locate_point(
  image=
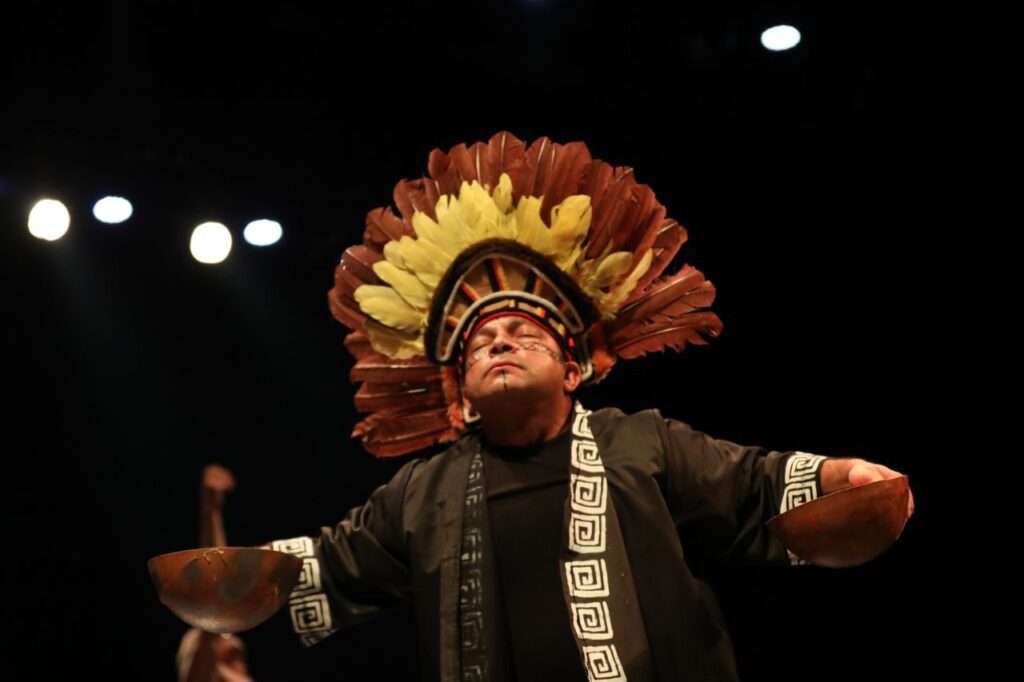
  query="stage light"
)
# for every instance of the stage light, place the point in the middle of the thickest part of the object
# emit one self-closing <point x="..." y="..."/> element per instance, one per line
<point x="49" y="219"/>
<point x="112" y="210"/>
<point x="778" y="38"/>
<point x="262" y="232"/>
<point x="211" y="243"/>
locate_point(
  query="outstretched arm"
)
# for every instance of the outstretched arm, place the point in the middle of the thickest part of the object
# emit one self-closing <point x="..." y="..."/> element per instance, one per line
<point x="721" y="493"/>
<point x="356" y="570"/>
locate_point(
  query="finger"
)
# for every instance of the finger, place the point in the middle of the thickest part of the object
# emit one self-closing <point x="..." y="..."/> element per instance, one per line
<point x="889" y="473"/>
<point x="861" y="474"/>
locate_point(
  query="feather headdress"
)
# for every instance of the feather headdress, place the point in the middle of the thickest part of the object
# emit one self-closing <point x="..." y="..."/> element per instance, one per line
<point x="543" y="228"/>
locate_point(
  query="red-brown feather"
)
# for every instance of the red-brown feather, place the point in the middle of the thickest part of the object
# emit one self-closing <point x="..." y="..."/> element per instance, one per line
<point x="345" y="310"/>
<point x="669" y="239"/>
<point x="359" y="261"/>
<point x="380" y="369"/>
<point x="667" y="314"/>
<point x="673" y="334"/>
<point x="672" y="296"/>
<point x="610" y="210"/>
<point x="568" y="164"/>
<point x="358" y="344"/>
<point x="373" y="397"/>
<point x="392" y="433"/>
<point x="383" y="226"/>
<point x="411" y="196"/>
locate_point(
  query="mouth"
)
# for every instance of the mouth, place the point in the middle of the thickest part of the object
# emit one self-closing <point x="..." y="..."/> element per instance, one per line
<point x="500" y="365"/>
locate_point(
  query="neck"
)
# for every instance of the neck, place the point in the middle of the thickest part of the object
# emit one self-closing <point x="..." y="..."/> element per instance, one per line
<point x="517" y="425"/>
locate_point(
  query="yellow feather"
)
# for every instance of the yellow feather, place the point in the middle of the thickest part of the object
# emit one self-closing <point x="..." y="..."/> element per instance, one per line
<point x="503" y="193"/>
<point x="453" y="234"/>
<point x="532" y="230"/>
<point x="478" y="213"/>
<point x="570" y="221"/>
<point x="440" y="258"/>
<point x="392" y="343"/>
<point x="424" y="226"/>
<point x="387" y="307"/>
<point x="608" y="305"/>
<point x="408" y="286"/>
<point x="571" y="217"/>
<point x="472" y="198"/>
<point x="392" y="254"/>
<point x="509" y="226"/>
<point x="610" y="269"/>
<point x="422" y="258"/>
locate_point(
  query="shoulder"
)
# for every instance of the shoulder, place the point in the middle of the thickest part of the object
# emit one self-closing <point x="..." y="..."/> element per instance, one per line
<point x="613" y="419"/>
<point x="647" y="429"/>
<point x="429" y="477"/>
<point x="629" y="438"/>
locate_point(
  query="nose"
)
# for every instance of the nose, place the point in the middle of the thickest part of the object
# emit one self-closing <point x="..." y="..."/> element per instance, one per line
<point x="501" y="344"/>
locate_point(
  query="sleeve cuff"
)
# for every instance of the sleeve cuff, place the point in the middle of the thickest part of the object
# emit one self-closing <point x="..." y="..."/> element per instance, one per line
<point x="802" y="484"/>
<point x="308" y="605"/>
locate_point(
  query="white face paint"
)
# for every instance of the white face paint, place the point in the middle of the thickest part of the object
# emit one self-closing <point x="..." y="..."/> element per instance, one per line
<point x="511" y="356"/>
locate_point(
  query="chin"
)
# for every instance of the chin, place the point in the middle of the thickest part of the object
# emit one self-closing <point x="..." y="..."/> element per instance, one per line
<point x="499" y="392"/>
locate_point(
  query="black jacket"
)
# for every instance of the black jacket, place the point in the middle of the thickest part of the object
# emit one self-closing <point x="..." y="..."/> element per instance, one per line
<point x="674" y="489"/>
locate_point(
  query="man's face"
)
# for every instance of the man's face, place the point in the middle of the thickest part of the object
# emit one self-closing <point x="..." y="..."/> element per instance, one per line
<point x="512" y="358"/>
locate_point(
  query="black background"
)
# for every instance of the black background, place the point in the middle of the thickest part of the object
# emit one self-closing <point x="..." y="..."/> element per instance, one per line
<point x="807" y="181"/>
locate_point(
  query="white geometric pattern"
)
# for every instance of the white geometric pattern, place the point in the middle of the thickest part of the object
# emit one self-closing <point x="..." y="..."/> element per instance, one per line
<point x="801" y="480"/>
<point x="801" y="487"/>
<point x="581" y="424"/>
<point x="591" y="620"/>
<point x="310" y="614"/>
<point x="587" y="579"/>
<point x="309" y="578"/>
<point x="603" y="663"/>
<point x="802" y="466"/>
<point x="586" y="457"/>
<point x="314" y="637"/>
<point x="298" y="546"/>
<point x="308" y="606"/>
<point x="798" y="493"/>
<point x="587" y="533"/>
<point x="589" y="493"/>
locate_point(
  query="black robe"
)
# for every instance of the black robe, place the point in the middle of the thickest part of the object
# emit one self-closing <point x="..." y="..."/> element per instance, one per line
<point x="673" y="489"/>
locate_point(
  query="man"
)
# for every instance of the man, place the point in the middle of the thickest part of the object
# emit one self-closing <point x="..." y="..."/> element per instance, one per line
<point x="548" y="541"/>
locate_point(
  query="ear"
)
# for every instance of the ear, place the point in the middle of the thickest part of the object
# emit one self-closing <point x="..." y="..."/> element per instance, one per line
<point x="572" y="377"/>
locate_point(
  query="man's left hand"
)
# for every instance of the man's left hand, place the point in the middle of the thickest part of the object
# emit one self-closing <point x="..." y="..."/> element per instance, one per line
<point x="839" y="474"/>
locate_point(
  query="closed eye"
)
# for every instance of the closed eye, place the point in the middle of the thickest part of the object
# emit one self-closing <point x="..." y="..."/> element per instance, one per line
<point x="481" y="342"/>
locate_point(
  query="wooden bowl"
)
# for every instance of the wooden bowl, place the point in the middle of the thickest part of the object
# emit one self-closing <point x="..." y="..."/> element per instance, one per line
<point x="225" y="589"/>
<point x="846" y="528"/>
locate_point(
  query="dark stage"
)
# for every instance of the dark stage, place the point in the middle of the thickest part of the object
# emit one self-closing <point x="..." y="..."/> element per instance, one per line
<point x="807" y="181"/>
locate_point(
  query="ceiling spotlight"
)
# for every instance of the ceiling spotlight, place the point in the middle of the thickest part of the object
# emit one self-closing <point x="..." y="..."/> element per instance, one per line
<point x="112" y="210"/>
<point x="778" y="38"/>
<point x="211" y="243"/>
<point x="262" y="232"/>
<point x="49" y="220"/>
